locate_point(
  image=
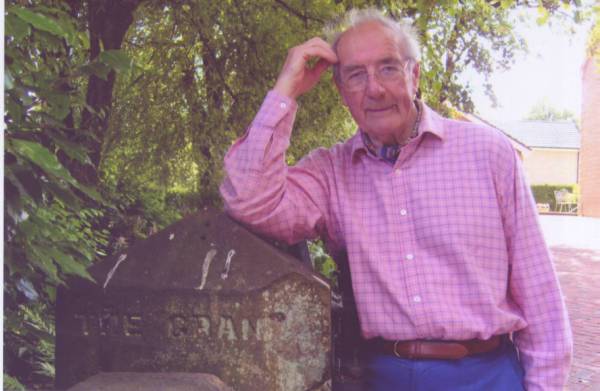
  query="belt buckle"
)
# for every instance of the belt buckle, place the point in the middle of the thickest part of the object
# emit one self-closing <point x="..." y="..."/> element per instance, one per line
<point x="395" y="349"/>
<point x="414" y="351"/>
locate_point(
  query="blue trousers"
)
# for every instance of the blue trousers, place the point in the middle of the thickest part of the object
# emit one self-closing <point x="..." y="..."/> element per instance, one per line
<point x="499" y="370"/>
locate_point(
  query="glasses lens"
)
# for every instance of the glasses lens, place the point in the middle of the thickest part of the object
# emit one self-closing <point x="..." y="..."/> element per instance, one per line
<point x="354" y="81"/>
<point x="391" y="72"/>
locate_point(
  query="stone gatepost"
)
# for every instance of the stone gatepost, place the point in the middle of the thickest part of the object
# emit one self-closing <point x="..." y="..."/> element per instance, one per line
<point x="202" y="296"/>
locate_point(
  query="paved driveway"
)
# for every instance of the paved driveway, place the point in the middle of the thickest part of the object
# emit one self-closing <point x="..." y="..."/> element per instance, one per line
<point x="572" y="231"/>
<point x="575" y="244"/>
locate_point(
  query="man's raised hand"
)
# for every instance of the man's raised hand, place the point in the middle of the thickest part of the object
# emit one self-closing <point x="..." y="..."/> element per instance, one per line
<point x="296" y="77"/>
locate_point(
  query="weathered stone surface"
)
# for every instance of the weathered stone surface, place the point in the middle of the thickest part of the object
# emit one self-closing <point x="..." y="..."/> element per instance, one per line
<point x="203" y="295"/>
<point x="135" y="381"/>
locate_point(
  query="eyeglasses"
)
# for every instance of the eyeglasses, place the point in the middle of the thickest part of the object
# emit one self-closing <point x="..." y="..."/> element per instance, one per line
<point x="357" y="78"/>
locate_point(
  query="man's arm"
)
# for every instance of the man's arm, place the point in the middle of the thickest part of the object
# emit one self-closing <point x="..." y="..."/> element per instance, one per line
<point x="545" y="345"/>
<point x="289" y="203"/>
<point x="260" y="190"/>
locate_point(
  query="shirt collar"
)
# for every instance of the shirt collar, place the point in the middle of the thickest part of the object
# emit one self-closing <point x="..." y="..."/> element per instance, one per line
<point x="431" y="122"/>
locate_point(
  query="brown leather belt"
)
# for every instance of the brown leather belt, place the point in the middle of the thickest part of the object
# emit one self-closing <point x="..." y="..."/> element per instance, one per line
<point x="441" y="350"/>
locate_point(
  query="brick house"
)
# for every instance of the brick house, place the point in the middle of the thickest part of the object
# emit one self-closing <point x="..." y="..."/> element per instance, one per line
<point x="590" y="139"/>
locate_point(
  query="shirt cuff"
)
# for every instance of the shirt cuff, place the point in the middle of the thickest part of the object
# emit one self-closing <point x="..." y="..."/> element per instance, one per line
<point x="277" y="111"/>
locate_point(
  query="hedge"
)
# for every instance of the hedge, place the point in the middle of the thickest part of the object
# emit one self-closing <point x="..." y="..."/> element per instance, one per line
<point x="544" y="194"/>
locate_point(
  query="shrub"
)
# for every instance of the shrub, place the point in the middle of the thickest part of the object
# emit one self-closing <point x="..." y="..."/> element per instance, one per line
<point x="544" y="194"/>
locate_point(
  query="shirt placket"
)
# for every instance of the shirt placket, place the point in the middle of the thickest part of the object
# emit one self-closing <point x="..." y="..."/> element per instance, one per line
<point x="408" y="257"/>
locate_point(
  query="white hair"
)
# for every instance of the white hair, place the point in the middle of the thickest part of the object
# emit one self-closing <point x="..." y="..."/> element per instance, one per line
<point x="403" y="29"/>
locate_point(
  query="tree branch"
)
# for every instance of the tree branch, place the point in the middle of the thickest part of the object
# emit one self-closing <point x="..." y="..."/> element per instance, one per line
<point x="215" y="61"/>
<point x="297" y="13"/>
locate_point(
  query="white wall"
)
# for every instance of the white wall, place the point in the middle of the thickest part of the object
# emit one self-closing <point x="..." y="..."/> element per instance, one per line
<point x="551" y="166"/>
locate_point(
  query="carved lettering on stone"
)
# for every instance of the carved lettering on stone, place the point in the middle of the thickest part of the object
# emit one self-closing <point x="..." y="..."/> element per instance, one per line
<point x="226" y="329"/>
<point x="108" y="322"/>
<point x="177" y="326"/>
<point x="132" y="325"/>
<point x="202" y="325"/>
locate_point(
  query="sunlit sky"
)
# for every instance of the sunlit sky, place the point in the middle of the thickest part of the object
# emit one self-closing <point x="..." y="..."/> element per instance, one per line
<point x="550" y="72"/>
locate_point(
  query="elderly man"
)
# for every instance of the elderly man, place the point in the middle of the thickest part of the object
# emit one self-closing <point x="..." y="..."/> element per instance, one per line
<point x="447" y="259"/>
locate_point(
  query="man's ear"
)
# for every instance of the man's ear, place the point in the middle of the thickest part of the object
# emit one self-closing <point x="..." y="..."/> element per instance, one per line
<point x="416" y="74"/>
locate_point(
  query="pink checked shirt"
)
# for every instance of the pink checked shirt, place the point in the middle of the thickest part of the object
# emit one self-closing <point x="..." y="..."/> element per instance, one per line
<point x="444" y="244"/>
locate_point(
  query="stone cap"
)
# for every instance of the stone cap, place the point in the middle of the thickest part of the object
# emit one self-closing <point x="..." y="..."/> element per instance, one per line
<point x="205" y="251"/>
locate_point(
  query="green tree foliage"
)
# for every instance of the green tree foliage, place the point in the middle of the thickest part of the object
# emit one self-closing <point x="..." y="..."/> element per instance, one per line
<point x="203" y="70"/>
<point x="458" y="36"/>
<point x="543" y="111"/>
<point x="593" y="44"/>
<point x="50" y="217"/>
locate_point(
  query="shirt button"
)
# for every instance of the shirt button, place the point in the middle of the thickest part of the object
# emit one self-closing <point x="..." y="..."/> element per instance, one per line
<point x="403" y="212"/>
<point x="283" y="105"/>
<point x="417" y="299"/>
<point x="410" y="257"/>
<point x="397" y="171"/>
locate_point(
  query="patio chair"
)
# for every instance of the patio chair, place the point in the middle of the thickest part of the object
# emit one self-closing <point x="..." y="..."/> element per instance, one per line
<point x="566" y="202"/>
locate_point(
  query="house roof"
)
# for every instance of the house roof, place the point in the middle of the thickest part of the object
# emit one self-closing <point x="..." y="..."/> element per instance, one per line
<point x="518" y="144"/>
<point x="543" y="134"/>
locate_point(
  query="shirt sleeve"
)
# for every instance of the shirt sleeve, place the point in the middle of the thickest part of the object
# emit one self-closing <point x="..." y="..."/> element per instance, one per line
<point x="545" y="344"/>
<point x="261" y="191"/>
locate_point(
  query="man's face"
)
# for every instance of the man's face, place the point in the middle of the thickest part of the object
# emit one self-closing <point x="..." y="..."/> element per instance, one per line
<point x="383" y="109"/>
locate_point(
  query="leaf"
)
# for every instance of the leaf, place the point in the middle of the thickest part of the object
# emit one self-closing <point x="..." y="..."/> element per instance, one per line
<point x="45" y="369"/>
<point x="12" y="384"/>
<point x="50" y="42"/>
<point x="13" y="202"/>
<point x="65" y="194"/>
<point x="9" y="81"/>
<point x="73" y="150"/>
<point x="39" y="257"/>
<point x="16" y="27"/>
<point x="14" y="110"/>
<point x="96" y="68"/>
<point x="92" y="193"/>
<point x="70" y="29"/>
<point x="68" y="264"/>
<point x="84" y="40"/>
<point x="47" y="161"/>
<point x="59" y="105"/>
<point x="33" y="328"/>
<point x="50" y="292"/>
<point x="116" y="59"/>
<point x="544" y="15"/>
<point x="30" y="184"/>
<point x="40" y="21"/>
<point x="43" y="158"/>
